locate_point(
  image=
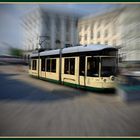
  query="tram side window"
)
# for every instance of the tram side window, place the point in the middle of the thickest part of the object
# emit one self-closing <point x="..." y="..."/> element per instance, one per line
<point x="72" y="66"/>
<point x="93" y="66"/>
<point x="53" y="65"/>
<point x="82" y="66"/>
<point x="48" y="65"/>
<point x="66" y="66"/>
<point x="43" y="64"/>
<point x="69" y="66"/>
<point x="34" y="65"/>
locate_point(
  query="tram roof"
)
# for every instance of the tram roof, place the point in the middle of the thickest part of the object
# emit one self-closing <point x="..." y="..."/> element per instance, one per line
<point x="87" y="48"/>
<point x="75" y="49"/>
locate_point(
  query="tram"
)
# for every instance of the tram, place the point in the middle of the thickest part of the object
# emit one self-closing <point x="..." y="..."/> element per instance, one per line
<point x="92" y="67"/>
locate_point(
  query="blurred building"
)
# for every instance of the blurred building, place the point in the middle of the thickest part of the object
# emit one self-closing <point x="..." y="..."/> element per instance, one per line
<point x="48" y="29"/>
<point x="130" y="33"/>
<point x="51" y="29"/>
<point x="118" y="28"/>
<point x="101" y="29"/>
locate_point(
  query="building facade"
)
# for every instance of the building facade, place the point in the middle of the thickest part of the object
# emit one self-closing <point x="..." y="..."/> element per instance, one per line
<point x="52" y="30"/>
<point x="102" y="29"/>
<point x="49" y="30"/>
<point x="118" y="28"/>
<point x="130" y="33"/>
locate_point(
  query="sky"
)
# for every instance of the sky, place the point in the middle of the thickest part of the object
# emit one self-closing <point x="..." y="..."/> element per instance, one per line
<point x="11" y="14"/>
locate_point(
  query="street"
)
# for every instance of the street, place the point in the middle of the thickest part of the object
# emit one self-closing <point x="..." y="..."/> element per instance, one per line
<point x="32" y="107"/>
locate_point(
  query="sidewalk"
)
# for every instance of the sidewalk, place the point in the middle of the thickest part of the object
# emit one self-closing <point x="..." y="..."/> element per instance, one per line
<point x="130" y="89"/>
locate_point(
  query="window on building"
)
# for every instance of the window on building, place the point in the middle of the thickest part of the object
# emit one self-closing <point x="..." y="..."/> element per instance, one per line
<point x="80" y="38"/>
<point x="67" y="25"/>
<point x="114" y="31"/>
<point x="69" y="66"/>
<point x="33" y="47"/>
<point x="86" y="27"/>
<point x="67" y="38"/>
<point x="34" y="65"/>
<point x="92" y="26"/>
<point x="85" y="36"/>
<point x="51" y="65"/>
<point x="106" y="42"/>
<point x="93" y="66"/>
<point x="106" y="22"/>
<point x="114" y="43"/>
<point x="99" y="24"/>
<point x="106" y="33"/>
<point x="98" y="34"/>
<point x="82" y="66"/>
<point x="92" y="35"/>
<point x="57" y="23"/>
<point x="43" y="64"/>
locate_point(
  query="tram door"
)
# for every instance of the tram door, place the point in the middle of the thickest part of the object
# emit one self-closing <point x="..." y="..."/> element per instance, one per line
<point x="93" y="71"/>
<point x="89" y="71"/>
<point x="82" y="71"/>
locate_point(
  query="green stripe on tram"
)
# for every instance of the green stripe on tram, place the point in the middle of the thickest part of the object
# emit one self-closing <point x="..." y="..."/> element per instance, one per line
<point x="70" y="84"/>
<point x="89" y="88"/>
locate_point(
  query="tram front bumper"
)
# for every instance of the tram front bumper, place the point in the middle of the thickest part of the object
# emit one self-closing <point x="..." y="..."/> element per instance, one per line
<point x="109" y="82"/>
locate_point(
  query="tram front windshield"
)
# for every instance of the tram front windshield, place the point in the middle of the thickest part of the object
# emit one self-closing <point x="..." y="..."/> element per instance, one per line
<point x="108" y="66"/>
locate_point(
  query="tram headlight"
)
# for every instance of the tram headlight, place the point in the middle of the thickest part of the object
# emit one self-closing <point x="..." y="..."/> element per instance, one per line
<point x="112" y="78"/>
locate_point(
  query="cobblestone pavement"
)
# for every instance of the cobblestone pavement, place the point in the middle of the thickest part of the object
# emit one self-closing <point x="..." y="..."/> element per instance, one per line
<point x="31" y="107"/>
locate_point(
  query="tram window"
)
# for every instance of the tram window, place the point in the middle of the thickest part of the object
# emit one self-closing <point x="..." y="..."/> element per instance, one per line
<point x="72" y="66"/>
<point x="48" y="65"/>
<point x="29" y="64"/>
<point x="82" y="66"/>
<point x="69" y="66"/>
<point x="93" y="66"/>
<point x="66" y="66"/>
<point x="34" y="65"/>
<point x="43" y="64"/>
<point x="53" y="65"/>
<point x="108" y="67"/>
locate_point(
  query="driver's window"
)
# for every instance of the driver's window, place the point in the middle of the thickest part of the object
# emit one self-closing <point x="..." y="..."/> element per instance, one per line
<point x="93" y="66"/>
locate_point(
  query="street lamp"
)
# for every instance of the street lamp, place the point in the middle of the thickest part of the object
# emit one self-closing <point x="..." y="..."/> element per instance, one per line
<point x="41" y="41"/>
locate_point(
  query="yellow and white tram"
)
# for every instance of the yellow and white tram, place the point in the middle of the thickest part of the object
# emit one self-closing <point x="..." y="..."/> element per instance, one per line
<point x="92" y="67"/>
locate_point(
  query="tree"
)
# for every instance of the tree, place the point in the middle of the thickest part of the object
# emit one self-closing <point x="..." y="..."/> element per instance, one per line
<point x="16" y="52"/>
